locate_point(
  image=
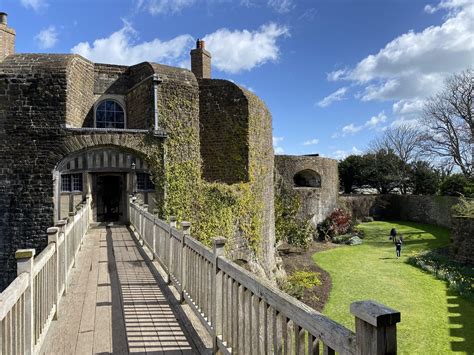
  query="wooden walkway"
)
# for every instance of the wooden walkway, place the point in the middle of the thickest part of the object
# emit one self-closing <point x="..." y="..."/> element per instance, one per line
<point x="115" y="304"/>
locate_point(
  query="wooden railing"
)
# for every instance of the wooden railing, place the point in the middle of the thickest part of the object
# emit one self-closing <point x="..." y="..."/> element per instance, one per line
<point x="31" y="301"/>
<point x="247" y="315"/>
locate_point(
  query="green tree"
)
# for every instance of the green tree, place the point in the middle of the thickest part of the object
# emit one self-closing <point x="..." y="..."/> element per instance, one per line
<point x="383" y="170"/>
<point x="424" y="179"/>
<point x="350" y="172"/>
<point x="456" y="185"/>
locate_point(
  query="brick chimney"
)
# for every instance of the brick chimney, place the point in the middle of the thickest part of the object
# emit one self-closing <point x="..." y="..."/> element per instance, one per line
<point x="7" y="38"/>
<point x="201" y="61"/>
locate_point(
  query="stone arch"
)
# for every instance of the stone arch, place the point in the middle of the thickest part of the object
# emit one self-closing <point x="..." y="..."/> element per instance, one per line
<point x="307" y="178"/>
<point x="125" y="159"/>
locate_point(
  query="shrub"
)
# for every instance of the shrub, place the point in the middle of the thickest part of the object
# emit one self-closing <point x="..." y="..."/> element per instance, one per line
<point x="300" y="281"/>
<point x="460" y="278"/>
<point x="465" y="208"/>
<point x="337" y="223"/>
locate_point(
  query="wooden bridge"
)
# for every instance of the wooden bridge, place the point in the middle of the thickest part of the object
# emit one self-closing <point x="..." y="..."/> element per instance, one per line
<point x="153" y="289"/>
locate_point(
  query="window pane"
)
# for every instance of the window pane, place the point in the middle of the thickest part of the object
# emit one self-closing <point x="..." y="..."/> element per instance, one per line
<point x="119" y="117"/>
<point x="110" y="114"/>
<point x="110" y="105"/>
<point x="100" y="116"/>
<point x="65" y="183"/>
<point x="144" y="182"/>
<point x="77" y="182"/>
<point x="140" y="181"/>
<point x="101" y="106"/>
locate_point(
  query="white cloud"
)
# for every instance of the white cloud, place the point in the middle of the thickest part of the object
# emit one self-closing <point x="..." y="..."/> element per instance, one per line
<point x="311" y="142"/>
<point x="159" y="7"/>
<point x="276" y="145"/>
<point x="408" y="107"/>
<point x="34" y="4"/>
<point x="47" y="37"/>
<point x="240" y="50"/>
<point x="338" y="95"/>
<point x="121" y="48"/>
<point x="249" y="49"/>
<point x="350" y="129"/>
<point x="413" y="65"/>
<point x="281" y="6"/>
<point x="372" y="123"/>
<point x="342" y="154"/>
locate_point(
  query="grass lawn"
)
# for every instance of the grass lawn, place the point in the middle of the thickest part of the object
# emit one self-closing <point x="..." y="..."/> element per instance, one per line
<point x="434" y="320"/>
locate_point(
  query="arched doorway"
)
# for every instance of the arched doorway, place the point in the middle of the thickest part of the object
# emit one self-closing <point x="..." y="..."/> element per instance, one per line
<point x="109" y="175"/>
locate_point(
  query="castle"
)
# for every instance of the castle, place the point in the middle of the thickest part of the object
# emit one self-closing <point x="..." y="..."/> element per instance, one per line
<point x="182" y="143"/>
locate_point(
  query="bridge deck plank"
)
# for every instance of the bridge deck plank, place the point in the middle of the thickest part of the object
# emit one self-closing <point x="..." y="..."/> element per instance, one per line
<point x="114" y="304"/>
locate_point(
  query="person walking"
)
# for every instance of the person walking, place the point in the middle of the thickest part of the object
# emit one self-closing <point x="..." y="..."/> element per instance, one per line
<point x="393" y="234"/>
<point x="398" y="246"/>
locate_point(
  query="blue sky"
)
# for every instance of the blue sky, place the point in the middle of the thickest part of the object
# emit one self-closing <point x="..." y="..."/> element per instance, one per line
<point x="334" y="73"/>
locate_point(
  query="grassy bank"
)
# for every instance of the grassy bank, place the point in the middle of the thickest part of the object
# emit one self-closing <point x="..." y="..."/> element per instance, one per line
<point x="434" y="320"/>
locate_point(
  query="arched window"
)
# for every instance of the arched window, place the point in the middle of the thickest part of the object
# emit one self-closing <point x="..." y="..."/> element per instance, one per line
<point x="307" y="178"/>
<point x="109" y="114"/>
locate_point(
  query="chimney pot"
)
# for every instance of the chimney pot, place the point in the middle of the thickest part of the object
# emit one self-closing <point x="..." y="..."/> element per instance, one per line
<point x="3" y="18"/>
<point x="200" y="44"/>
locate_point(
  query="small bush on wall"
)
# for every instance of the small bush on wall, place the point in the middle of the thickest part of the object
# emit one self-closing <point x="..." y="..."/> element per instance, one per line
<point x="465" y="208"/>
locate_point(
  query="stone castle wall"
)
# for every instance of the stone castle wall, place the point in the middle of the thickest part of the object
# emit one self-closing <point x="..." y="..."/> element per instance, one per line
<point x="415" y="208"/>
<point x="462" y="237"/>
<point x="224" y="129"/>
<point x="47" y="112"/>
<point x="316" y="202"/>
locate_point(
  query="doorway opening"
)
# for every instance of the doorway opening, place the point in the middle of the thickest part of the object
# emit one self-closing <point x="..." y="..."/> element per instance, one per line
<point x="109" y="198"/>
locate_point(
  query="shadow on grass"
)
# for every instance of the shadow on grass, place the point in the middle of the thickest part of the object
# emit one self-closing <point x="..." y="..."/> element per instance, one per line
<point x="412" y="234"/>
<point x="461" y="315"/>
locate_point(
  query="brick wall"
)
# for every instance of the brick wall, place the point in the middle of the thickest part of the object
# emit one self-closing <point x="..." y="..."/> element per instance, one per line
<point x="7" y="41"/>
<point x="201" y="63"/>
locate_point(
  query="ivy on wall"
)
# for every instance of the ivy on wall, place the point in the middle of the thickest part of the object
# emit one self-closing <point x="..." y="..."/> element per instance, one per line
<point x="289" y="227"/>
<point x="214" y="209"/>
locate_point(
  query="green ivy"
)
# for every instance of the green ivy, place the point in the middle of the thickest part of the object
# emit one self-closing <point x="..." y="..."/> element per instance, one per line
<point x="214" y="209"/>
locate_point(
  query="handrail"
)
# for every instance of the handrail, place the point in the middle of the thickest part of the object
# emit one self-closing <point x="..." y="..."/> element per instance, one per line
<point x="43" y="258"/>
<point x="10" y="296"/>
<point x="31" y="301"/>
<point x="245" y="314"/>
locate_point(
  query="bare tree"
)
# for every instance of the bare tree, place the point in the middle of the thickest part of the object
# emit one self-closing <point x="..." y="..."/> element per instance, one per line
<point x="404" y="141"/>
<point x="448" y="117"/>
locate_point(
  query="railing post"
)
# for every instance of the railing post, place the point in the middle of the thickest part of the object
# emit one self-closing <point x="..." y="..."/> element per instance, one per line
<point x="73" y="237"/>
<point x="25" y="263"/>
<point x="53" y="235"/>
<point x="62" y="230"/>
<point x="376" y="328"/>
<point x="186" y="226"/>
<point x="216" y="284"/>
<point x="153" y="241"/>
<point x="144" y="223"/>
<point x="170" y="248"/>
